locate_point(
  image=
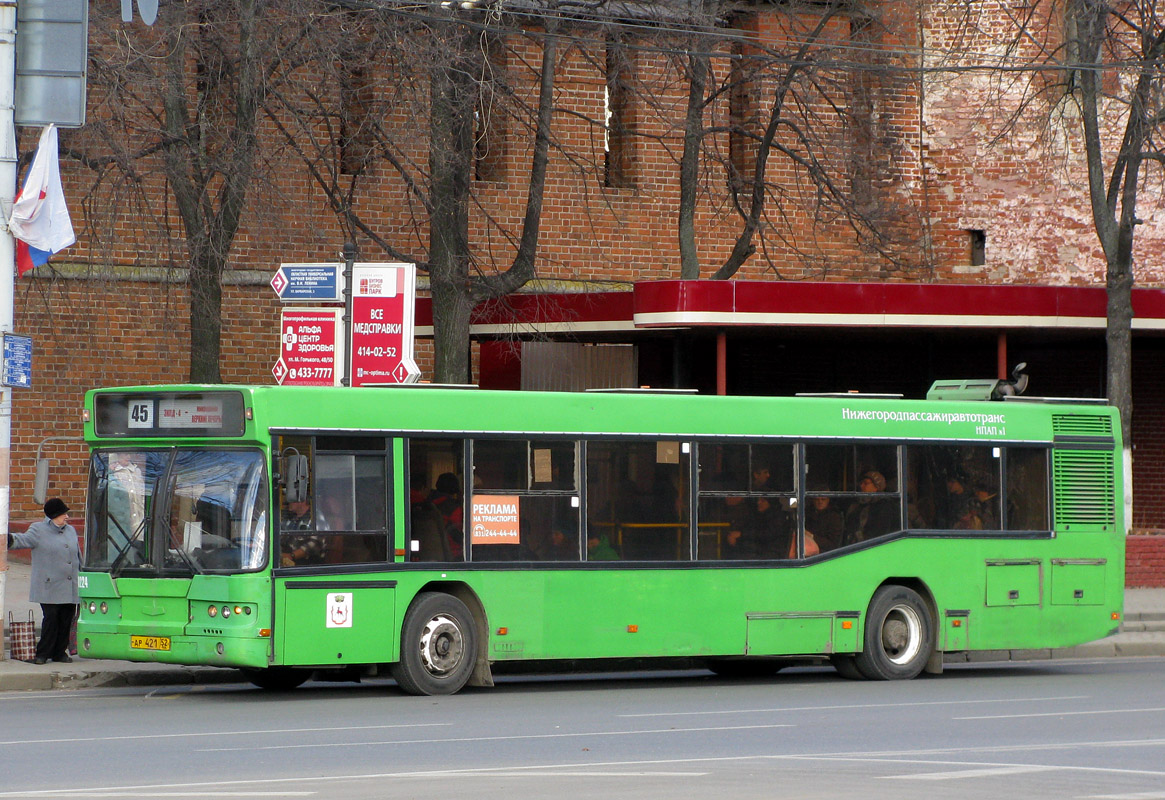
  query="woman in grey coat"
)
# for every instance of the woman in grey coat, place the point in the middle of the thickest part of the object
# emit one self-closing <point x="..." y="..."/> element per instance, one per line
<point x="55" y="560"/>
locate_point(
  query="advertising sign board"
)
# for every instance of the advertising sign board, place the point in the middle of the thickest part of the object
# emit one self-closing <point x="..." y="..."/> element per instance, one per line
<point x="383" y="301"/>
<point x="495" y="519"/>
<point x="311" y="347"/>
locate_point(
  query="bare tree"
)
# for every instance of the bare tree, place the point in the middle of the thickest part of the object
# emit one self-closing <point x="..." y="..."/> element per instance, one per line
<point x="451" y="76"/>
<point x="1116" y="54"/>
<point x="814" y="82"/>
<point x="1090" y="73"/>
<point x="183" y="102"/>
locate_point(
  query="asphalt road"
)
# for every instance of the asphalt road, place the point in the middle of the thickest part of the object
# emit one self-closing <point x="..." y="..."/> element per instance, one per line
<point x="1059" y="729"/>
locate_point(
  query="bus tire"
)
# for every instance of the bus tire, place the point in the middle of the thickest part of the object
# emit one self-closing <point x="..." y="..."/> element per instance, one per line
<point x="438" y="646"/>
<point x="277" y="679"/>
<point x="899" y="635"/>
<point x="846" y="666"/>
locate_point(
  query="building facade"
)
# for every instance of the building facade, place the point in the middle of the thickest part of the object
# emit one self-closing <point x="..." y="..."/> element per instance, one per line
<point x="924" y="217"/>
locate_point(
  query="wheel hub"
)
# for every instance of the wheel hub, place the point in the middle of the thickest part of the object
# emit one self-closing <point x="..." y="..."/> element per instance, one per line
<point x="902" y="634"/>
<point x="442" y="645"/>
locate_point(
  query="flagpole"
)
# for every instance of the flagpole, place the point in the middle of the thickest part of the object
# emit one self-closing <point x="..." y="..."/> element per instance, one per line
<point x="8" y="163"/>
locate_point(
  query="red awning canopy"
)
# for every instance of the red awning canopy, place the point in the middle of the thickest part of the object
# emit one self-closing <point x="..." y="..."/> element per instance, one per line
<point x="694" y="304"/>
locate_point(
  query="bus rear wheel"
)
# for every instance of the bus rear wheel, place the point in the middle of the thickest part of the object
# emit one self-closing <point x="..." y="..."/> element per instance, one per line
<point x="899" y="635"/>
<point x="438" y="646"/>
<point x="277" y="679"/>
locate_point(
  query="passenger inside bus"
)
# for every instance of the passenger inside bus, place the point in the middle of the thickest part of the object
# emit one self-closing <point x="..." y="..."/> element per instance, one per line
<point x="427" y="525"/>
<point x="446" y="498"/>
<point x="824" y="523"/>
<point x="599" y="547"/>
<point x="869" y="517"/>
<point x="298" y="549"/>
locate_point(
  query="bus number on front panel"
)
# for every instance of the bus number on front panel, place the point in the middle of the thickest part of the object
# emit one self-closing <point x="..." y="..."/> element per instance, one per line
<point x="141" y="414"/>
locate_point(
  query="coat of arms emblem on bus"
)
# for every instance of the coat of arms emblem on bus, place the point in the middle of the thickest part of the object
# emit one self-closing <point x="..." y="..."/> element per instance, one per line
<point x="340" y="610"/>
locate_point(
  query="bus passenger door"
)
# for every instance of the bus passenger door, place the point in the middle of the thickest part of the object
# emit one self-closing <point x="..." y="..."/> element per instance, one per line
<point x="331" y="622"/>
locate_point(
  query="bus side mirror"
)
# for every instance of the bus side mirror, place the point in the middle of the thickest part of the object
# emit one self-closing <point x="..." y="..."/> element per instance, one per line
<point x="40" y="489"/>
<point x="294" y="478"/>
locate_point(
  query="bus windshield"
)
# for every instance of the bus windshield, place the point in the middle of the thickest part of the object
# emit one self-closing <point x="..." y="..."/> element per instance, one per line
<point x="176" y="511"/>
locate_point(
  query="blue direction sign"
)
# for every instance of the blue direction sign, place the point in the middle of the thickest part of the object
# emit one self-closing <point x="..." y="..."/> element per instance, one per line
<point x="17" y="360"/>
<point x="309" y="283"/>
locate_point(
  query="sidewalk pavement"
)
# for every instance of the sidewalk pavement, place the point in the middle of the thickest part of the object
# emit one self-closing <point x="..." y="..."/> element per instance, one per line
<point x="1142" y="634"/>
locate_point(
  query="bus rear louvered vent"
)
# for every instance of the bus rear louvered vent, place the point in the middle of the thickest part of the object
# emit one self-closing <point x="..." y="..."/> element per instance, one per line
<point x="1081" y="425"/>
<point x="1085" y="486"/>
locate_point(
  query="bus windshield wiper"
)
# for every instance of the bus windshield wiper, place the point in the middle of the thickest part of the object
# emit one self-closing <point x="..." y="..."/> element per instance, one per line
<point x="124" y="550"/>
<point x="190" y="562"/>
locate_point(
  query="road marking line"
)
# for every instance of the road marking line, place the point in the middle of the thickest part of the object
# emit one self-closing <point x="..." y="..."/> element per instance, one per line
<point x="430" y="774"/>
<point x="1130" y="796"/>
<point x="73" y="793"/>
<point x="1070" y="713"/>
<point x="223" y="733"/>
<point x="511" y="738"/>
<point x="546" y="773"/>
<point x="861" y="705"/>
<point x="985" y="772"/>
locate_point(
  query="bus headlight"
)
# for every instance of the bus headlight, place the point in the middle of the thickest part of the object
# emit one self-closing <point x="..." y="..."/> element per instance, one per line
<point x="212" y="611"/>
<point x="92" y="607"/>
<point x="226" y="612"/>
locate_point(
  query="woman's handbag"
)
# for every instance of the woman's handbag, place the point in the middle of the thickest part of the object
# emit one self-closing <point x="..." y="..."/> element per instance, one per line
<point x="22" y="636"/>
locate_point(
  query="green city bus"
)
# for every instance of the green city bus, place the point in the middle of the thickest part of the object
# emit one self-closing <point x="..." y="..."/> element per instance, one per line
<point x="437" y="533"/>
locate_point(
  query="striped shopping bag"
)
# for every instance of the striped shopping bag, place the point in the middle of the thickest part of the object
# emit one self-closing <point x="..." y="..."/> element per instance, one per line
<point x="23" y="638"/>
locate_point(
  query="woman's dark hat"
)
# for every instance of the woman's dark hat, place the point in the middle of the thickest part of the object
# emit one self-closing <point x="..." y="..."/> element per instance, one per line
<point x="55" y="507"/>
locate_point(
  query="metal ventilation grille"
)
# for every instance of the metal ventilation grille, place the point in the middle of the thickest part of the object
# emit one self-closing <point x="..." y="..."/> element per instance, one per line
<point x="1081" y="425"/>
<point x="1085" y="488"/>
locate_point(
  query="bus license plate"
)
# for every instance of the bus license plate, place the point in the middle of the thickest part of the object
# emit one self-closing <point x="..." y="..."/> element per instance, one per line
<point x="149" y="642"/>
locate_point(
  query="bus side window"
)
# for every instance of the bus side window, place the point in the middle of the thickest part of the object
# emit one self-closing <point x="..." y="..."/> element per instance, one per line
<point x="638" y="500"/>
<point x="746" y="501"/>
<point x="862" y="484"/>
<point x="524" y="506"/>
<point x="953" y="487"/>
<point x="1027" y="489"/>
<point x="436" y="507"/>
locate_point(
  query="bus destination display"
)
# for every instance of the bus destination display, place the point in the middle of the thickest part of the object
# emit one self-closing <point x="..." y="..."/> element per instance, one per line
<point x="169" y="414"/>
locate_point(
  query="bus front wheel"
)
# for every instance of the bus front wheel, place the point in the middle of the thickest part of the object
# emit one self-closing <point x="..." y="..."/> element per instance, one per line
<point x="899" y="635"/>
<point x="438" y="646"/>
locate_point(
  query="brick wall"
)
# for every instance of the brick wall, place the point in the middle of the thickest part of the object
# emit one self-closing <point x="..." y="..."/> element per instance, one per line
<point x="1145" y="560"/>
<point x="924" y="160"/>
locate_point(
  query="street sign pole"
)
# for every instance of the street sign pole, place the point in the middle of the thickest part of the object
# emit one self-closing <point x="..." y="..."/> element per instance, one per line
<point x="7" y="264"/>
<point x="349" y="260"/>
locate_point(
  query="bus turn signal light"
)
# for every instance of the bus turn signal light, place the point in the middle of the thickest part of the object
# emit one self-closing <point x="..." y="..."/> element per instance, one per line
<point x="503" y="631"/>
<point x="1116" y="615"/>
<point x="633" y="629"/>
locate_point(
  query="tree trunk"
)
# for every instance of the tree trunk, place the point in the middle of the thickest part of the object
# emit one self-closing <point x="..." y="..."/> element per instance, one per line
<point x="690" y="165"/>
<point x="452" y="98"/>
<point x="205" y="316"/>
<point x="1118" y="337"/>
